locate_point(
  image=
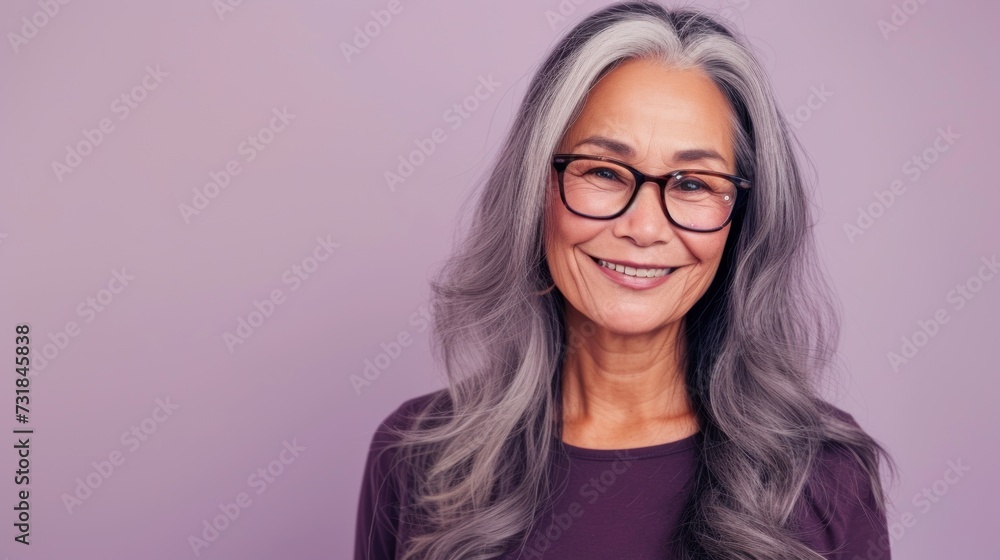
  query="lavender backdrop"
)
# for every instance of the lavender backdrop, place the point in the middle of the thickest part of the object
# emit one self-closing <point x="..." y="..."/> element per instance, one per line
<point x="197" y="226"/>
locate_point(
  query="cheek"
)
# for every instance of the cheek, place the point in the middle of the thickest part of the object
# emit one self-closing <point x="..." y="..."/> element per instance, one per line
<point x="563" y="234"/>
<point x="708" y="249"/>
<point x="556" y="232"/>
<point x="557" y="238"/>
<point x="565" y="231"/>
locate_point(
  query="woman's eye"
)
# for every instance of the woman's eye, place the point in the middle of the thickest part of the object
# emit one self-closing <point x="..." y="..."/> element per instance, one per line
<point x="690" y="185"/>
<point x="605" y="173"/>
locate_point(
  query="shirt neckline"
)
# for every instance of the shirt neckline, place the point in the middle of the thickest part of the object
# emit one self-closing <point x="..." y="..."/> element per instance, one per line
<point x="658" y="450"/>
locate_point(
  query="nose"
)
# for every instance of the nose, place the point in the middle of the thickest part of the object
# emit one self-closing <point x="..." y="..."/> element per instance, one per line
<point x="645" y="220"/>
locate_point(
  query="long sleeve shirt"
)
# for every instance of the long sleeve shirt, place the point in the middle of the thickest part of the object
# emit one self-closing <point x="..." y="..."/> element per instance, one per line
<point x="625" y="504"/>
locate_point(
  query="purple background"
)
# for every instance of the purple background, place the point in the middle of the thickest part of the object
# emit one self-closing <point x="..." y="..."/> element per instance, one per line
<point x="322" y="176"/>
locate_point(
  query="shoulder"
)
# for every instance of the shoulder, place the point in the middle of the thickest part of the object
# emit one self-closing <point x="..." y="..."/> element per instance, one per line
<point x="839" y="511"/>
<point x="835" y="463"/>
<point x="382" y="449"/>
<point x="383" y="492"/>
<point x="836" y="473"/>
<point x="834" y="411"/>
<point x="399" y="420"/>
<point x="403" y="416"/>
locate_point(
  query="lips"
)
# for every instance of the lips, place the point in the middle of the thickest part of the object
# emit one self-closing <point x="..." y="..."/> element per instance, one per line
<point x="635" y="270"/>
<point x="633" y="264"/>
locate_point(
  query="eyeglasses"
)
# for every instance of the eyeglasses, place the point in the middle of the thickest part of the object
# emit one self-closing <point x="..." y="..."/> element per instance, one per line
<point x="603" y="188"/>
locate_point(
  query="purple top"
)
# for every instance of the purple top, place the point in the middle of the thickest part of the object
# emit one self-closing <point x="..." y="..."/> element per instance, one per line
<point x="617" y="503"/>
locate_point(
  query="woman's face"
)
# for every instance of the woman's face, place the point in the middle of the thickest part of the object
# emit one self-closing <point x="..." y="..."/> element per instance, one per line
<point x="646" y="115"/>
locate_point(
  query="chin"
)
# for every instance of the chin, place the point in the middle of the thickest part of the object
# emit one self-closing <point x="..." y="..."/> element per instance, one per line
<point x="626" y="324"/>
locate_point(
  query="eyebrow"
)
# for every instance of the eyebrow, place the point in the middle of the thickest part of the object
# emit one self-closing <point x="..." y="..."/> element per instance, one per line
<point x="625" y="151"/>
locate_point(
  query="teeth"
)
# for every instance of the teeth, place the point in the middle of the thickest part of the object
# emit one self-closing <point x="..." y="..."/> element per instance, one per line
<point x="637" y="272"/>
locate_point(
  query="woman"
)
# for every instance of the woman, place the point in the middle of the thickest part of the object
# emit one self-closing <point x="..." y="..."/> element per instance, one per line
<point x="633" y="330"/>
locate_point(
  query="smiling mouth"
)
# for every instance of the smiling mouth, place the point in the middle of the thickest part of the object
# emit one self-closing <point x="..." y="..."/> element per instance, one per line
<point x="635" y="272"/>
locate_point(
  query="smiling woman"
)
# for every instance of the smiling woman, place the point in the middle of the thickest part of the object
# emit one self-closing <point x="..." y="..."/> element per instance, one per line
<point x="648" y="196"/>
<point x="655" y="117"/>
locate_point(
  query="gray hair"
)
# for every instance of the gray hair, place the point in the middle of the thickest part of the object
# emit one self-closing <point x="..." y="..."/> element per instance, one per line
<point x="756" y="342"/>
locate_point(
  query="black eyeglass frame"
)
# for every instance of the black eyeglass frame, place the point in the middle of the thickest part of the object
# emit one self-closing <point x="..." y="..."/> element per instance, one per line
<point x="561" y="161"/>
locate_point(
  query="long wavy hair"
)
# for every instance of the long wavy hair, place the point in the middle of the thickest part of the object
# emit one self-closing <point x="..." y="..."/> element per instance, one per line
<point x="756" y="344"/>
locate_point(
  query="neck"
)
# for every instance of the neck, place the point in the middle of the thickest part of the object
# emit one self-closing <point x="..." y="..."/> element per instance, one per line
<point x="623" y="384"/>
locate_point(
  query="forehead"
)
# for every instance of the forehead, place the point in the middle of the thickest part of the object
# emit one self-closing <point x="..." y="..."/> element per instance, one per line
<point x="657" y="111"/>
